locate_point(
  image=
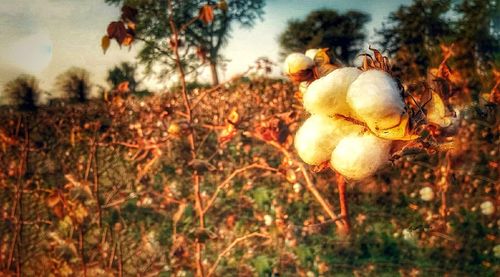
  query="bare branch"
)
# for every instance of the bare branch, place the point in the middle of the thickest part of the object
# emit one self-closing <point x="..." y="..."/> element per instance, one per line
<point x="221" y="186"/>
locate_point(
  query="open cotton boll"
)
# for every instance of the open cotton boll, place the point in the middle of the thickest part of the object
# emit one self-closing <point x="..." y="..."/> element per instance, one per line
<point x="311" y="53"/>
<point x="487" y="208"/>
<point x="297" y="62"/>
<point x="359" y="156"/>
<point x="375" y="97"/>
<point x="327" y="95"/>
<point x="318" y="136"/>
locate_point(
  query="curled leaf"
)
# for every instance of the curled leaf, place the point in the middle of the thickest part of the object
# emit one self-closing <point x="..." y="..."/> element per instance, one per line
<point x="117" y="30"/>
<point x="436" y="111"/>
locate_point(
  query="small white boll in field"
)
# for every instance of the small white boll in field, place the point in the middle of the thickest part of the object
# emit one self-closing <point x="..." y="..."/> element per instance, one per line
<point x="327" y="95"/>
<point x="487" y="208"/>
<point x="318" y="136"/>
<point x="375" y="97"/>
<point x="268" y="220"/>
<point x="297" y="62"/>
<point x="359" y="156"/>
<point x="426" y="194"/>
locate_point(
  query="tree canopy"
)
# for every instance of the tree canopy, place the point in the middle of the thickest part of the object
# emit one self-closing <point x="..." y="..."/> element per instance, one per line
<point x="75" y="84"/>
<point x="203" y="37"/>
<point x="413" y="33"/>
<point x="23" y="92"/>
<point x="342" y="33"/>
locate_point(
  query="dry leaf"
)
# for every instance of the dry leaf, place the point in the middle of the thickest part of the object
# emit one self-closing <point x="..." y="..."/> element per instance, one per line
<point x="399" y="132"/>
<point x="206" y="14"/>
<point x="105" y="42"/>
<point x="436" y="111"/>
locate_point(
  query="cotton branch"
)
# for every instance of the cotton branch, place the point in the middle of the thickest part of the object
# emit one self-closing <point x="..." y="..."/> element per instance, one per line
<point x="221" y="186"/>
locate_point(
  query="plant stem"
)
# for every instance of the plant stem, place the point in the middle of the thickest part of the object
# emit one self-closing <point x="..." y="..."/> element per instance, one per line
<point x="190" y="137"/>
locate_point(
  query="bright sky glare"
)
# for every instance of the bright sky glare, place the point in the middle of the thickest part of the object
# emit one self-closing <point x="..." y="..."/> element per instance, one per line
<point x="46" y="37"/>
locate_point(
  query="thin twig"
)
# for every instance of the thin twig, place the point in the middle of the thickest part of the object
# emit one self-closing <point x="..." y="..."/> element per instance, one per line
<point x="231" y="246"/>
<point x="221" y="186"/>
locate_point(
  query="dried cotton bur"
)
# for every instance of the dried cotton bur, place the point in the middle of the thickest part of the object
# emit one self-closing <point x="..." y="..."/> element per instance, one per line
<point x="356" y="114"/>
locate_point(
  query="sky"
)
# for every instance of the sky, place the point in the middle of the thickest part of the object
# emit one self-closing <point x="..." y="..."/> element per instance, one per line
<point x="46" y="37"/>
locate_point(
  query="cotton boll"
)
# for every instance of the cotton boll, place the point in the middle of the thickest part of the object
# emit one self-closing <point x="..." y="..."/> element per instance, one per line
<point x="359" y="156"/>
<point x="327" y="95"/>
<point x="311" y="53"/>
<point x="487" y="208"/>
<point x="296" y="63"/>
<point x="318" y="136"/>
<point x="426" y="194"/>
<point x="375" y="97"/>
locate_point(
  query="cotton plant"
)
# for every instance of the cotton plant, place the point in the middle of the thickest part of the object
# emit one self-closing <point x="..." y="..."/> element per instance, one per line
<point x="365" y="105"/>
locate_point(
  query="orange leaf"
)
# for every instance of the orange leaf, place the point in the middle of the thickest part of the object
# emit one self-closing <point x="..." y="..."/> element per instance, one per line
<point x="105" y="43"/>
<point x="128" y="40"/>
<point x="206" y="14"/>
<point x="123" y="87"/>
<point x="53" y="199"/>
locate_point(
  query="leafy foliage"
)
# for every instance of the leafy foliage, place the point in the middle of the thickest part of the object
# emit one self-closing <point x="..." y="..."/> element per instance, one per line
<point x="413" y="34"/>
<point x="205" y="30"/>
<point x="74" y="84"/>
<point x="342" y="33"/>
<point x="23" y="92"/>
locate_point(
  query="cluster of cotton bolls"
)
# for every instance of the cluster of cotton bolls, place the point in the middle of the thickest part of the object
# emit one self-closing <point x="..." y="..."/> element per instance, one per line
<point x="353" y="116"/>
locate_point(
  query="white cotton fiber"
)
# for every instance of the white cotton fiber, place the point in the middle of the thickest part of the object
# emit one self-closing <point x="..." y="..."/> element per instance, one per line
<point x="359" y="156"/>
<point x="375" y="97"/>
<point x="297" y="62"/>
<point x="327" y="95"/>
<point x="311" y="53"/>
<point x="318" y="136"/>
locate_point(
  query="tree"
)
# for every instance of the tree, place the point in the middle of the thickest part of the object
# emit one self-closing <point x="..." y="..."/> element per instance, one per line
<point x="125" y="72"/>
<point x="200" y="39"/>
<point x="75" y="84"/>
<point x="413" y="33"/>
<point x="476" y="45"/>
<point x="342" y="33"/>
<point x="23" y="92"/>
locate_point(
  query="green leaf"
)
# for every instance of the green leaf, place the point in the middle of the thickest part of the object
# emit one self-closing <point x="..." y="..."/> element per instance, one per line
<point x="262" y="265"/>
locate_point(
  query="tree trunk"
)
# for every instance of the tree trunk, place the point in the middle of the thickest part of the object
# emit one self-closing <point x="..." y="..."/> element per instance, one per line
<point x="215" y="76"/>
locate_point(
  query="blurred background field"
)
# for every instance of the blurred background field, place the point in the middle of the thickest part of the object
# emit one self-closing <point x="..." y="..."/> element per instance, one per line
<point x="101" y="180"/>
